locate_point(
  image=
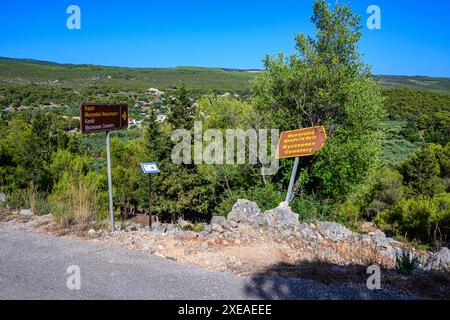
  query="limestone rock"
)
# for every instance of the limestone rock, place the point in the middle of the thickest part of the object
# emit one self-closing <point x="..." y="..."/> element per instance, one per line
<point x="307" y="232"/>
<point x="282" y="216"/>
<point x="244" y="211"/>
<point x="231" y="224"/>
<point x="221" y="221"/>
<point x="264" y="220"/>
<point x="189" y="235"/>
<point x="207" y="228"/>
<point x="333" y="231"/>
<point x="216" y="228"/>
<point x="380" y="239"/>
<point x="26" y="212"/>
<point x="439" y="261"/>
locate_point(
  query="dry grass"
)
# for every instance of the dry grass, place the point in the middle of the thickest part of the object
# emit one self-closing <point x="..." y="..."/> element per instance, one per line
<point x="84" y="208"/>
<point x="76" y="206"/>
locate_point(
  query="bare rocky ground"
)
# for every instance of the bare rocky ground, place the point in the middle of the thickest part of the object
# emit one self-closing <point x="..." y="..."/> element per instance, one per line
<point x="250" y="243"/>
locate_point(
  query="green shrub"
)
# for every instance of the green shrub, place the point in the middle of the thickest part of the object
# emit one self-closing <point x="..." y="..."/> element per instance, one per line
<point x="406" y="263"/>
<point x="18" y="199"/>
<point x="422" y="218"/>
<point x="311" y="208"/>
<point x="387" y="190"/>
<point x="421" y="172"/>
<point x="39" y="204"/>
<point x="62" y="212"/>
<point x="199" y="227"/>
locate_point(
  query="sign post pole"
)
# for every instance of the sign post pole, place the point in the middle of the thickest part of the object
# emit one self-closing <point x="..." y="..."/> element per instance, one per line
<point x="292" y="182"/>
<point x="108" y="159"/>
<point x="150" y="216"/>
<point x="149" y="169"/>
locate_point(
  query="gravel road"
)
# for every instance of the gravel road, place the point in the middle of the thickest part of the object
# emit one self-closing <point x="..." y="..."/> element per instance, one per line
<point x="33" y="266"/>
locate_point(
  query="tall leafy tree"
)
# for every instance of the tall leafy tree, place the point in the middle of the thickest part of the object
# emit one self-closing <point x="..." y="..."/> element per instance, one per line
<point x="421" y="172"/>
<point x="181" y="108"/>
<point x="326" y="83"/>
<point x="38" y="151"/>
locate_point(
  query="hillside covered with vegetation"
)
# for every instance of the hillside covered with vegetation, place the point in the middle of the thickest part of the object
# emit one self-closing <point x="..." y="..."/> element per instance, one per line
<point x="34" y="72"/>
<point x="78" y="76"/>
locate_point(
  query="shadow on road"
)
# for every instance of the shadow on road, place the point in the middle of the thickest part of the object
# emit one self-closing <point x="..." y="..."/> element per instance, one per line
<point x="325" y="281"/>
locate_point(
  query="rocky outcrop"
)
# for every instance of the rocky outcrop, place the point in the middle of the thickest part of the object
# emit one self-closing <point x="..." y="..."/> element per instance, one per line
<point x="334" y="231"/>
<point x="244" y="211"/>
<point x="439" y="261"/>
<point x="246" y="225"/>
<point x="221" y="221"/>
<point x="282" y="216"/>
<point x="248" y="212"/>
<point x="380" y="240"/>
<point x="307" y="232"/>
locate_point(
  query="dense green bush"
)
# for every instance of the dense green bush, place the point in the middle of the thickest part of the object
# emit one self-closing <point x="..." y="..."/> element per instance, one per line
<point x="387" y="191"/>
<point x="422" y="172"/>
<point x="414" y="201"/>
<point x="420" y="218"/>
<point x="406" y="262"/>
<point x="18" y="199"/>
<point x="427" y="114"/>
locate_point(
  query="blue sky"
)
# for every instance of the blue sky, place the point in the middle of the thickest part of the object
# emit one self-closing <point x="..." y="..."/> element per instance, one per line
<point x="414" y="39"/>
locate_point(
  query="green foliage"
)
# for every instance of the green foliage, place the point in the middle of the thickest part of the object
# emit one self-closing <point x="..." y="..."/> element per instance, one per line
<point x="327" y="84"/>
<point x="182" y="189"/>
<point x="181" y="113"/>
<point x="199" y="227"/>
<point x="79" y="194"/>
<point x="386" y="192"/>
<point x="178" y="189"/>
<point x="422" y="218"/>
<point x="414" y="202"/>
<point x="444" y="161"/>
<point x="38" y="202"/>
<point x="397" y="146"/>
<point x="81" y="76"/>
<point x="421" y="172"/>
<point x="18" y="199"/>
<point x="409" y="104"/>
<point x="406" y="263"/>
<point x="427" y="114"/>
<point x="310" y="208"/>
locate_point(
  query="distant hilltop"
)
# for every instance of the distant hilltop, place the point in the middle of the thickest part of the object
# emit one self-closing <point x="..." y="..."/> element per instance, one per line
<point x="30" y="71"/>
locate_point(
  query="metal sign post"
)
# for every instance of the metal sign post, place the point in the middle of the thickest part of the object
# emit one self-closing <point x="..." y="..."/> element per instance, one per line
<point x="105" y="118"/>
<point x="150" y="216"/>
<point x="108" y="160"/>
<point x="292" y="181"/>
<point x="149" y="169"/>
<point x="299" y="143"/>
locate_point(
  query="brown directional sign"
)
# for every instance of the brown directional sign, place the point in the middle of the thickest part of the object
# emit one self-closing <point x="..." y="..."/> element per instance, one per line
<point x="103" y="117"/>
<point x="301" y="142"/>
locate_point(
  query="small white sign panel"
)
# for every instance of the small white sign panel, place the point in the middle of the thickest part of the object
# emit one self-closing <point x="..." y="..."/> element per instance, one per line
<point x="150" y="168"/>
